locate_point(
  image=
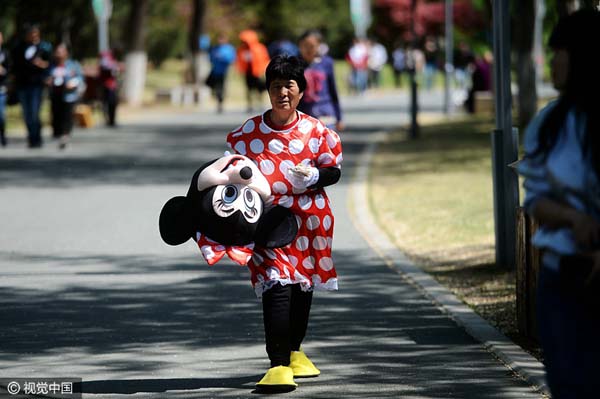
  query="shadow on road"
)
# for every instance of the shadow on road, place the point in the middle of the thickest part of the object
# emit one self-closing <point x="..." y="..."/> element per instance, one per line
<point x="376" y="330"/>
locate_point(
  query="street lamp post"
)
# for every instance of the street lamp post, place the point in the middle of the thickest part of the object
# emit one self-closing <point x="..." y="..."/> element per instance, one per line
<point x="449" y="64"/>
<point x="504" y="142"/>
<point x="414" y="104"/>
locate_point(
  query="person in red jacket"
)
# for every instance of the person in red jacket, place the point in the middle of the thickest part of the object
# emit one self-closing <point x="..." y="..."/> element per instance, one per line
<point x="252" y="60"/>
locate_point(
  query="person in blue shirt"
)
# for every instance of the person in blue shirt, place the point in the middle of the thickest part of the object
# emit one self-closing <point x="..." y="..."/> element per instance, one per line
<point x="221" y="56"/>
<point x="65" y="86"/>
<point x="320" y="98"/>
<point x="562" y="181"/>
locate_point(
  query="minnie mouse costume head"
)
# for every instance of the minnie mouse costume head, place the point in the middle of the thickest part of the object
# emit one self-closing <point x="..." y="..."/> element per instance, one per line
<point x="227" y="204"/>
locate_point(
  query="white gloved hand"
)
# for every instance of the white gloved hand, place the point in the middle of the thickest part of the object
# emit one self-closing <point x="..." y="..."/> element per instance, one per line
<point x="302" y="176"/>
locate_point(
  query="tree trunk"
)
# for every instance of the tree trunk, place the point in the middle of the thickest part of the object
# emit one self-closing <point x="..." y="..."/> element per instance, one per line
<point x="136" y="58"/>
<point x="196" y="28"/>
<point x="525" y="68"/>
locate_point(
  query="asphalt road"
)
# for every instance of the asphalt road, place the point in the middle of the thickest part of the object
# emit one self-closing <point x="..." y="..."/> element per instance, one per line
<point x="89" y="290"/>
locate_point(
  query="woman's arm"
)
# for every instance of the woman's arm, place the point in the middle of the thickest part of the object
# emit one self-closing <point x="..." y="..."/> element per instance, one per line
<point x="327" y="177"/>
<point x="555" y="215"/>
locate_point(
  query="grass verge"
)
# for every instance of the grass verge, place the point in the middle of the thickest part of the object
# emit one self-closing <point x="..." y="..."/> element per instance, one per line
<point x="434" y="198"/>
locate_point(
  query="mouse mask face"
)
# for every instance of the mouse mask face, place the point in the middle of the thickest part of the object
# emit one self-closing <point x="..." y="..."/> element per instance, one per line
<point x="227" y="205"/>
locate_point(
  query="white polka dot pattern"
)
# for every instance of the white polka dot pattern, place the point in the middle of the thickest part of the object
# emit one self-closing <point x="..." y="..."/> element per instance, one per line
<point x="313" y="145"/>
<point x="305" y="126"/>
<point x="257" y="146"/>
<point x="305" y="202"/>
<point x="312" y="222"/>
<point x="275" y="146"/>
<point x="248" y="126"/>
<point x="325" y="158"/>
<point x="285" y="165"/>
<point x="331" y="140"/>
<point x="309" y="262"/>
<point x="286" y="201"/>
<point x="307" y="259"/>
<point x="326" y="263"/>
<point x="319" y="243"/>
<point x="320" y="201"/>
<point x="240" y="147"/>
<point x="279" y="187"/>
<point x="296" y="146"/>
<point x="267" y="167"/>
<point x="327" y="222"/>
<point x="302" y="243"/>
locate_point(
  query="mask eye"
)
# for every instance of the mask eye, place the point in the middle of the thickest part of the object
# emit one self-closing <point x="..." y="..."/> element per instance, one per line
<point x="230" y="194"/>
<point x="249" y="198"/>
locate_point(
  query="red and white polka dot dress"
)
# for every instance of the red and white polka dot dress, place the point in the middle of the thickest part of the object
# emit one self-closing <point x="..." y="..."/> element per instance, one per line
<point x="307" y="260"/>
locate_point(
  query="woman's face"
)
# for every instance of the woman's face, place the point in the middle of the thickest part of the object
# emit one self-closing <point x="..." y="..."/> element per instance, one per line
<point x="284" y="95"/>
<point x="309" y="48"/>
<point x="560" y="69"/>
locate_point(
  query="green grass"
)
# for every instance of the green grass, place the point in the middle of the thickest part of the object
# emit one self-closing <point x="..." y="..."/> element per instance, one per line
<point x="434" y="198"/>
<point x="437" y="190"/>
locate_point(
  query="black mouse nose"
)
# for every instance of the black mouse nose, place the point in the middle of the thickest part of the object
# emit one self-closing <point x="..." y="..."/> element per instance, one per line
<point x="246" y="173"/>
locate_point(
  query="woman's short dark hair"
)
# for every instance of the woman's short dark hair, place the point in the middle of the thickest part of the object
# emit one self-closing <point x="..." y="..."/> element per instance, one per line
<point x="286" y="67"/>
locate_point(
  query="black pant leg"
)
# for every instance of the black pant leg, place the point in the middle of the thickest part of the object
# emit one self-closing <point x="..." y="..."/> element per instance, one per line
<point x="300" y="311"/>
<point x="67" y="117"/>
<point x="57" y="115"/>
<point x="276" y="315"/>
<point x="110" y="106"/>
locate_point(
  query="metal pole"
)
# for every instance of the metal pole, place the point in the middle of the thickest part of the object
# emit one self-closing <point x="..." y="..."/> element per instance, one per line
<point x="103" y="34"/>
<point x="506" y="190"/>
<point x="414" y="104"/>
<point x="449" y="64"/>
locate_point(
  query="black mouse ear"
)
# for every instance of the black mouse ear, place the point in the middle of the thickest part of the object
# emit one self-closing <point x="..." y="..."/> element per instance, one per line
<point x="277" y="227"/>
<point x="175" y="222"/>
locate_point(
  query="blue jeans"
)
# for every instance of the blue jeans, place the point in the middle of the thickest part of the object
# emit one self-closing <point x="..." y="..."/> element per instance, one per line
<point x="360" y="78"/>
<point x="570" y="339"/>
<point x="30" y="97"/>
<point x="2" y="118"/>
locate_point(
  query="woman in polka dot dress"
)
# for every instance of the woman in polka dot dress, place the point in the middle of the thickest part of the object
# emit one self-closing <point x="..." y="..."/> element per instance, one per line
<point x="299" y="156"/>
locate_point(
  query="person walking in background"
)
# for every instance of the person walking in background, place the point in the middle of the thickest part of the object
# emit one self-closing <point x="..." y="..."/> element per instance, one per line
<point x="31" y="60"/>
<point x="66" y="84"/>
<point x="320" y="98"/>
<point x="431" y="54"/>
<point x="399" y="64"/>
<point x="462" y="56"/>
<point x="481" y="78"/>
<point x="221" y="56"/>
<point x="252" y="59"/>
<point x="377" y="59"/>
<point x="3" y="90"/>
<point x="109" y="69"/>
<point x="358" y="58"/>
<point x="562" y="179"/>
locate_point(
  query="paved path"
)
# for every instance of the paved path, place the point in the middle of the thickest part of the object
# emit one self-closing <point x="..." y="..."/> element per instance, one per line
<point x="89" y="290"/>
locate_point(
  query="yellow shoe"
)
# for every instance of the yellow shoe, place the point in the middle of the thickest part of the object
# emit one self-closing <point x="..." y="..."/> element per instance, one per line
<point x="302" y="366"/>
<point x="280" y="378"/>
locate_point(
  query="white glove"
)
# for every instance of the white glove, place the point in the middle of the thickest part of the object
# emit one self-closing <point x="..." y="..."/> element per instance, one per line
<point x="302" y="176"/>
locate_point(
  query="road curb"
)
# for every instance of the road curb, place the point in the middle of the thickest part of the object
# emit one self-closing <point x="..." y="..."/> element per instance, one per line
<point x="514" y="357"/>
